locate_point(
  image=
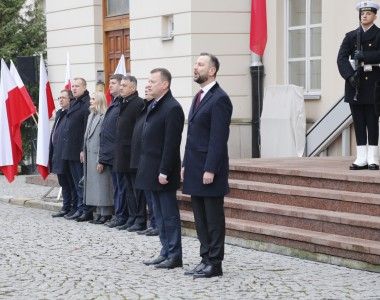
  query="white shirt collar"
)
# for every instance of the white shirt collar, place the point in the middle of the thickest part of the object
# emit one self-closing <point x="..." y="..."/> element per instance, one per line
<point x="206" y="88"/>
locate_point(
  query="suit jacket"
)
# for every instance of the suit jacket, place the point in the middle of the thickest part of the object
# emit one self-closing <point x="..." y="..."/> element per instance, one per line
<point x="130" y="109"/>
<point x="370" y="42"/>
<point x="56" y="164"/>
<point x="160" y="145"/>
<point x="75" y="126"/>
<point x="206" y="145"/>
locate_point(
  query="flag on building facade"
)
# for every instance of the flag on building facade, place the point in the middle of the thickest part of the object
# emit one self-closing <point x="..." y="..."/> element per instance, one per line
<point x="258" y="36"/>
<point x="68" y="73"/>
<point x="46" y="107"/>
<point x="13" y="111"/>
<point x="120" y="69"/>
<point x="16" y="77"/>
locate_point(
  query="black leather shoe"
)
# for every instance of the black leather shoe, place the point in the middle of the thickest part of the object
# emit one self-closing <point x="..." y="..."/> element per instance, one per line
<point x="356" y="167"/>
<point x="124" y="227"/>
<point x="210" y="271"/>
<point x="76" y="215"/>
<point x="70" y="213"/>
<point x="85" y="217"/>
<point x="115" y="223"/>
<point x="60" y="214"/>
<point x="153" y="232"/>
<point x="142" y="232"/>
<point x="95" y="220"/>
<point x="373" y="167"/>
<point x="155" y="261"/>
<point x="170" y="263"/>
<point x="198" y="268"/>
<point x="136" y="227"/>
<point x="102" y="220"/>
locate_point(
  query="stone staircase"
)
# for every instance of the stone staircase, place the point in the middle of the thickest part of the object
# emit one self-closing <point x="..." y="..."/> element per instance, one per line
<point x="308" y="207"/>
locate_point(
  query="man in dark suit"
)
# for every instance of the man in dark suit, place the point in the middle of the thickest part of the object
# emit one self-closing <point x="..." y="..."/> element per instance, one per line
<point x="360" y="84"/>
<point x="56" y="164"/>
<point x="205" y="164"/>
<point x="160" y="165"/>
<point x="73" y="133"/>
<point x="130" y="108"/>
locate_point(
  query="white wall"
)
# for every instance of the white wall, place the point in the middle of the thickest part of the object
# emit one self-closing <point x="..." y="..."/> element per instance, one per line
<point x="74" y="27"/>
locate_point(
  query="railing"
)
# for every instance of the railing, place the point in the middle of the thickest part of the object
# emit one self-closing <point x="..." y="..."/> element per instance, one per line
<point x="325" y="131"/>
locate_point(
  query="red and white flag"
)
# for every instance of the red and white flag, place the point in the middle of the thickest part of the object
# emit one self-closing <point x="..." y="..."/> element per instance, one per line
<point x="46" y="108"/>
<point x="68" y="73"/>
<point x="16" y="77"/>
<point x="13" y="111"/>
<point x="120" y="69"/>
<point x="258" y="36"/>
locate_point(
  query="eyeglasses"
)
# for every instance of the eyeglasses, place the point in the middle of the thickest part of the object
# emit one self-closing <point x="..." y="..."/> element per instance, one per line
<point x="59" y="98"/>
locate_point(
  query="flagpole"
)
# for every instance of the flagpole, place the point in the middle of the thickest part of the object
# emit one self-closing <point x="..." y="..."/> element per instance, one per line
<point x="257" y="79"/>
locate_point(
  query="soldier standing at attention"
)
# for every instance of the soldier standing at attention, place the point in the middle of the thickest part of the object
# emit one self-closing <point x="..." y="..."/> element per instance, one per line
<point x="362" y="45"/>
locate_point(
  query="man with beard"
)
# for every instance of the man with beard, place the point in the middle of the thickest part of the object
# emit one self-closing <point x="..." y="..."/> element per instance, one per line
<point x="205" y="165"/>
<point x="73" y="132"/>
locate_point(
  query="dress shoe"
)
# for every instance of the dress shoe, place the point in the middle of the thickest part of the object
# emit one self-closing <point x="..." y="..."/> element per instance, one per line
<point x="153" y="232"/>
<point x="136" y="227"/>
<point x="373" y="167"/>
<point x="60" y="214"/>
<point x="142" y="232"/>
<point x="102" y="220"/>
<point x="170" y="263"/>
<point x="155" y="261"/>
<point x="115" y="223"/>
<point x="123" y="227"/>
<point x="70" y="213"/>
<point x="198" y="268"/>
<point x="356" y="167"/>
<point x="209" y="271"/>
<point x="95" y="220"/>
<point x="76" y="215"/>
<point x="85" y="217"/>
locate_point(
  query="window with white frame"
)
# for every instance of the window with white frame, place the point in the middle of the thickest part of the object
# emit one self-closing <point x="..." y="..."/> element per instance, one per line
<point x="304" y="18"/>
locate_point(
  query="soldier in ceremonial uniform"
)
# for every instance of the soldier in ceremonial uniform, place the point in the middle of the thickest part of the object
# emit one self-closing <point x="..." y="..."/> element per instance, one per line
<point x="361" y="73"/>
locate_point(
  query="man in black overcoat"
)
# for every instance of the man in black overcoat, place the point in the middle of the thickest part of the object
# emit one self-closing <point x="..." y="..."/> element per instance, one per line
<point x="73" y="133"/>
<point x="130" y="108"/>
<point x="360" y="83"/>
<point x="160" y="164"/>
<point x="205" y="164"/>
<point x="57" y="165"/>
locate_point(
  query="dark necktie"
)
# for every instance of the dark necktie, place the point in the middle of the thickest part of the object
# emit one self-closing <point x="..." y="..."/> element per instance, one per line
<point x="198" y="98"/>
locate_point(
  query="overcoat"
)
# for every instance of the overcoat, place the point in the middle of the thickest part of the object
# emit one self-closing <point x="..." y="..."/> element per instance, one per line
<point x="130" y="108"/>
<point x="370" y="43"/>
<point x="206" y="144"/>
<point x="108" y="133"/>
<point x="75" y="126"/>
<point x="136" y="137"/>
<point x="98" y="189"/>
<point x="160" y="145"/>
<point x="56" y="164"/>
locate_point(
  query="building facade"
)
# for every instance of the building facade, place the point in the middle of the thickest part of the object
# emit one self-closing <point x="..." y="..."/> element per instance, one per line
<point x="303" y="41"/>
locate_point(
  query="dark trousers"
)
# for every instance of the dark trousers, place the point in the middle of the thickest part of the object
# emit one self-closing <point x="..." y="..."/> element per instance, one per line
<point x="365" y="122"/>
<point x="76" y="171"/>
<point x="166" y="211"/>
<point x="149" y="202"/>
<point x="119" y="195"/>
<point x="135" y="200"/>
<point x="210" y="226"/>
<point x="69" y="193"/>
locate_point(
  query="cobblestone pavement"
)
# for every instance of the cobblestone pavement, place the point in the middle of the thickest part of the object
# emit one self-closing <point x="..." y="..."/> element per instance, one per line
<point x="46" y="258"/>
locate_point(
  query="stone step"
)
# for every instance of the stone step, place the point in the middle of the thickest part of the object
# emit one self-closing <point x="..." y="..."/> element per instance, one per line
<point x="326" y="172"/>
<point x="308" y="240"/>
<point x="347" y="224"/>
<point x="318" y="198"/>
